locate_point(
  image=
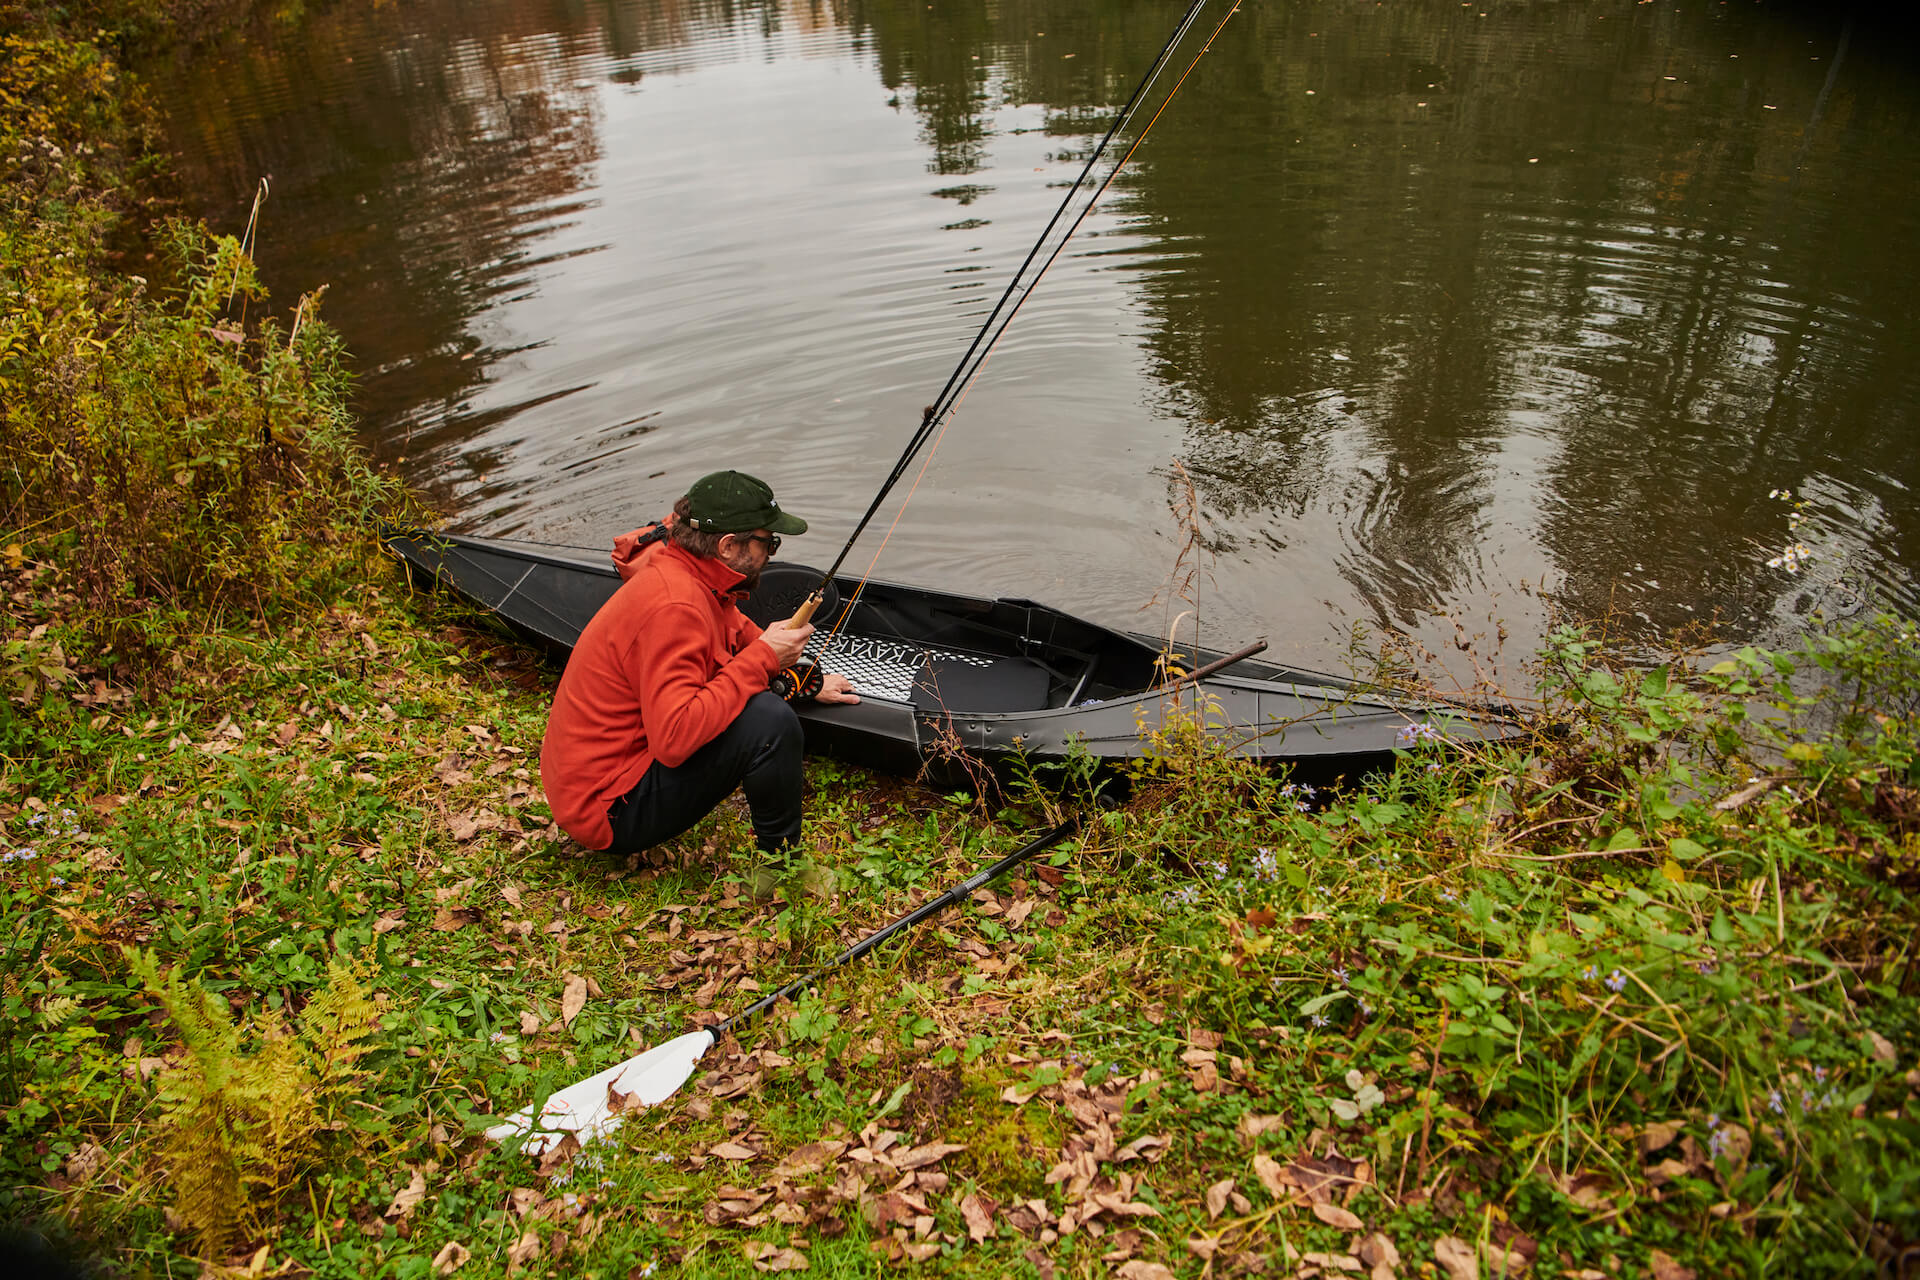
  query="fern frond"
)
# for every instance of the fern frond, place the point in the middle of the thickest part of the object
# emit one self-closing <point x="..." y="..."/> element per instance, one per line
<point x="237" y="1129"/>
<point x="58" y="1012"/>
<point x="338" y="1025"/>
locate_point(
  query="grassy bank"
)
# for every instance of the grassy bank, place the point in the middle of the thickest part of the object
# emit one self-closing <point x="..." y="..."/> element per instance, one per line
<point x="286" y="924"/>
<point x="1615" y="1002"/>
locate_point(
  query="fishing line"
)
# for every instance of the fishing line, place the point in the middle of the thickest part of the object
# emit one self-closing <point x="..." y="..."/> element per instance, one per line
<point x="933" y="420"/>
<point x="1085" y="210"/>
<point x="942" y="402"/>
<point x="940" y="415"/>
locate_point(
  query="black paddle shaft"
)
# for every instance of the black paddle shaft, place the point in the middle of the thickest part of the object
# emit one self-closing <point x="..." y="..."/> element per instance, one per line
<point x="931" y="907"/>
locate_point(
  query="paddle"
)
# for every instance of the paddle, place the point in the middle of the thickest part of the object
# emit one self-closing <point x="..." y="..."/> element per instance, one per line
<point x="1214" y="667"/>
<point x="593" y="1106"/>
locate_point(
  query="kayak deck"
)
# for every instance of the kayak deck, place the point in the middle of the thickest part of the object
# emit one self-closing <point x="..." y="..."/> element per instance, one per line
<point x="999" y="677"/>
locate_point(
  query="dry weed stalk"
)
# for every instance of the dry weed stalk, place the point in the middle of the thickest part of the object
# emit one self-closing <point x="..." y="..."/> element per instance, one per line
<point x="1192" y="568"/>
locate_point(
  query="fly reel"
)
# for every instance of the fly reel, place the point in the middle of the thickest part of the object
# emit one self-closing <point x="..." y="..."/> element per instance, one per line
<point x="798" y="682"/>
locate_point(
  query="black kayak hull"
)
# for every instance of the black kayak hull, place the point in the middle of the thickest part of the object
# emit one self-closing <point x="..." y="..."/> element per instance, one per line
<point x="942" y="676"/>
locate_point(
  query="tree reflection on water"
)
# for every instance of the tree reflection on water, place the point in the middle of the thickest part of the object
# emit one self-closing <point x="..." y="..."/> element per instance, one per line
<point x="1439" y="296"/>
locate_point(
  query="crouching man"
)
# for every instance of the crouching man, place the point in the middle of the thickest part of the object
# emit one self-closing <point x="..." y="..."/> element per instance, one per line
<point x="664" y="707"/>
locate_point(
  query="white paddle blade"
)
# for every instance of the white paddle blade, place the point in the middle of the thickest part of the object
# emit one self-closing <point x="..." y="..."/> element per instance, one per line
<point x="583" y="1109"/>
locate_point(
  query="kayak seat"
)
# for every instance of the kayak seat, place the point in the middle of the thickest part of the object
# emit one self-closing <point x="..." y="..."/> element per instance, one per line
<point x="930" y="678"/>
<point x="959" y="686"/>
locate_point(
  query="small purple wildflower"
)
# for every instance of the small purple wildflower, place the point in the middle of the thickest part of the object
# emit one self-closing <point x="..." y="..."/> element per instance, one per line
<point x="1616" y="981"/>
<point x="1266" y="863"/>
<point x="1341" y="974"/>
<point x="1774" y="1104"/>
<point x="1413" y="735"/>
<point x="1592" y="973"/>
<point x="1318" y="1019"/>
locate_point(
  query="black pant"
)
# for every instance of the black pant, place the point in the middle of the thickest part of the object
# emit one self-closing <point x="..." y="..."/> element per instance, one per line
<point x="759" y="751"/>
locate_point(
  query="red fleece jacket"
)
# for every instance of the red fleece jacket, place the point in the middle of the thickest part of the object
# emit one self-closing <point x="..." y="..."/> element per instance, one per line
<point x="659" y="672"/>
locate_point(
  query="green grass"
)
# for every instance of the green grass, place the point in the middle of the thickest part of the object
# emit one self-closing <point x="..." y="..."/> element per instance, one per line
<point x="1561" y="999"/>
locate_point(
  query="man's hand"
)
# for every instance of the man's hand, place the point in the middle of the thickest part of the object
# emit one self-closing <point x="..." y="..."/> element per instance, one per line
<point x="786" y="640"/>
<point x="837" y="688"/>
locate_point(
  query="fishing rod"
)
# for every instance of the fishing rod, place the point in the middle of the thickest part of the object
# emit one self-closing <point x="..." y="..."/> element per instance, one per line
<point x="969" y="366"/>
<point x="592" y="1106"/>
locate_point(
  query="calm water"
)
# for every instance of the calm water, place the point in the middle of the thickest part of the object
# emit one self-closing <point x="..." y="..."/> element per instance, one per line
<point x="1454" y="313"/>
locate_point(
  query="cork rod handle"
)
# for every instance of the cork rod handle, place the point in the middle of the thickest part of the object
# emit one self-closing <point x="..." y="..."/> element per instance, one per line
<point x="804" y="614"/>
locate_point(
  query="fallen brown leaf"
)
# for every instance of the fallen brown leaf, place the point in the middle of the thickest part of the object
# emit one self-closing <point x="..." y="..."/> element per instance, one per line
<point x="1217" y="1197"/>
<point x="1505" y="1264"/>
<point x="559" y="1155"/>
<point x="1252" y="1126"/>
<point x="1378" y="1253"/>
<point x="1734" y="1145"/>
<point x="977" y="1211"/>
<point x="573" y="998"/>
<point x="1149" y="1147"/>
<point x="1656" y="1136"/>
<point x="1591" y="1191"/>
<point x="1322" y="1177"/>
<point x="1139" y="1269"/>
<point x="523" y="1251"/>
<point x="1334" y="1216"/>
<point x="1455" y="1257"/>
<point x="809" y="1158"/>
<point x="767" y="1257"/>
<point x="1667" y="1170"/>
<point x="732" y="1151"/>
<point x="451" y="918"/>
<point x="1268" y="1170"/>
<point x="931" y="1153"/>
<point x="1665" y="1267"/>
<point x="452" y="1256"/>
<point x="408" y="1196"/>
<point x="85" y="1162"/>
<point x="1122" y="1245"/>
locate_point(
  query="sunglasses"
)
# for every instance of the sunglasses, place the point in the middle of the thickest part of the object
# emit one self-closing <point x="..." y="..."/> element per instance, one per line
<point x="771" y="539"/>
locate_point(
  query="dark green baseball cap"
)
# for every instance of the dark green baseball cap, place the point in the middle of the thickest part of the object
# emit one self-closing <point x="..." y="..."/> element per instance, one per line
<point x="734" y="502"/>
